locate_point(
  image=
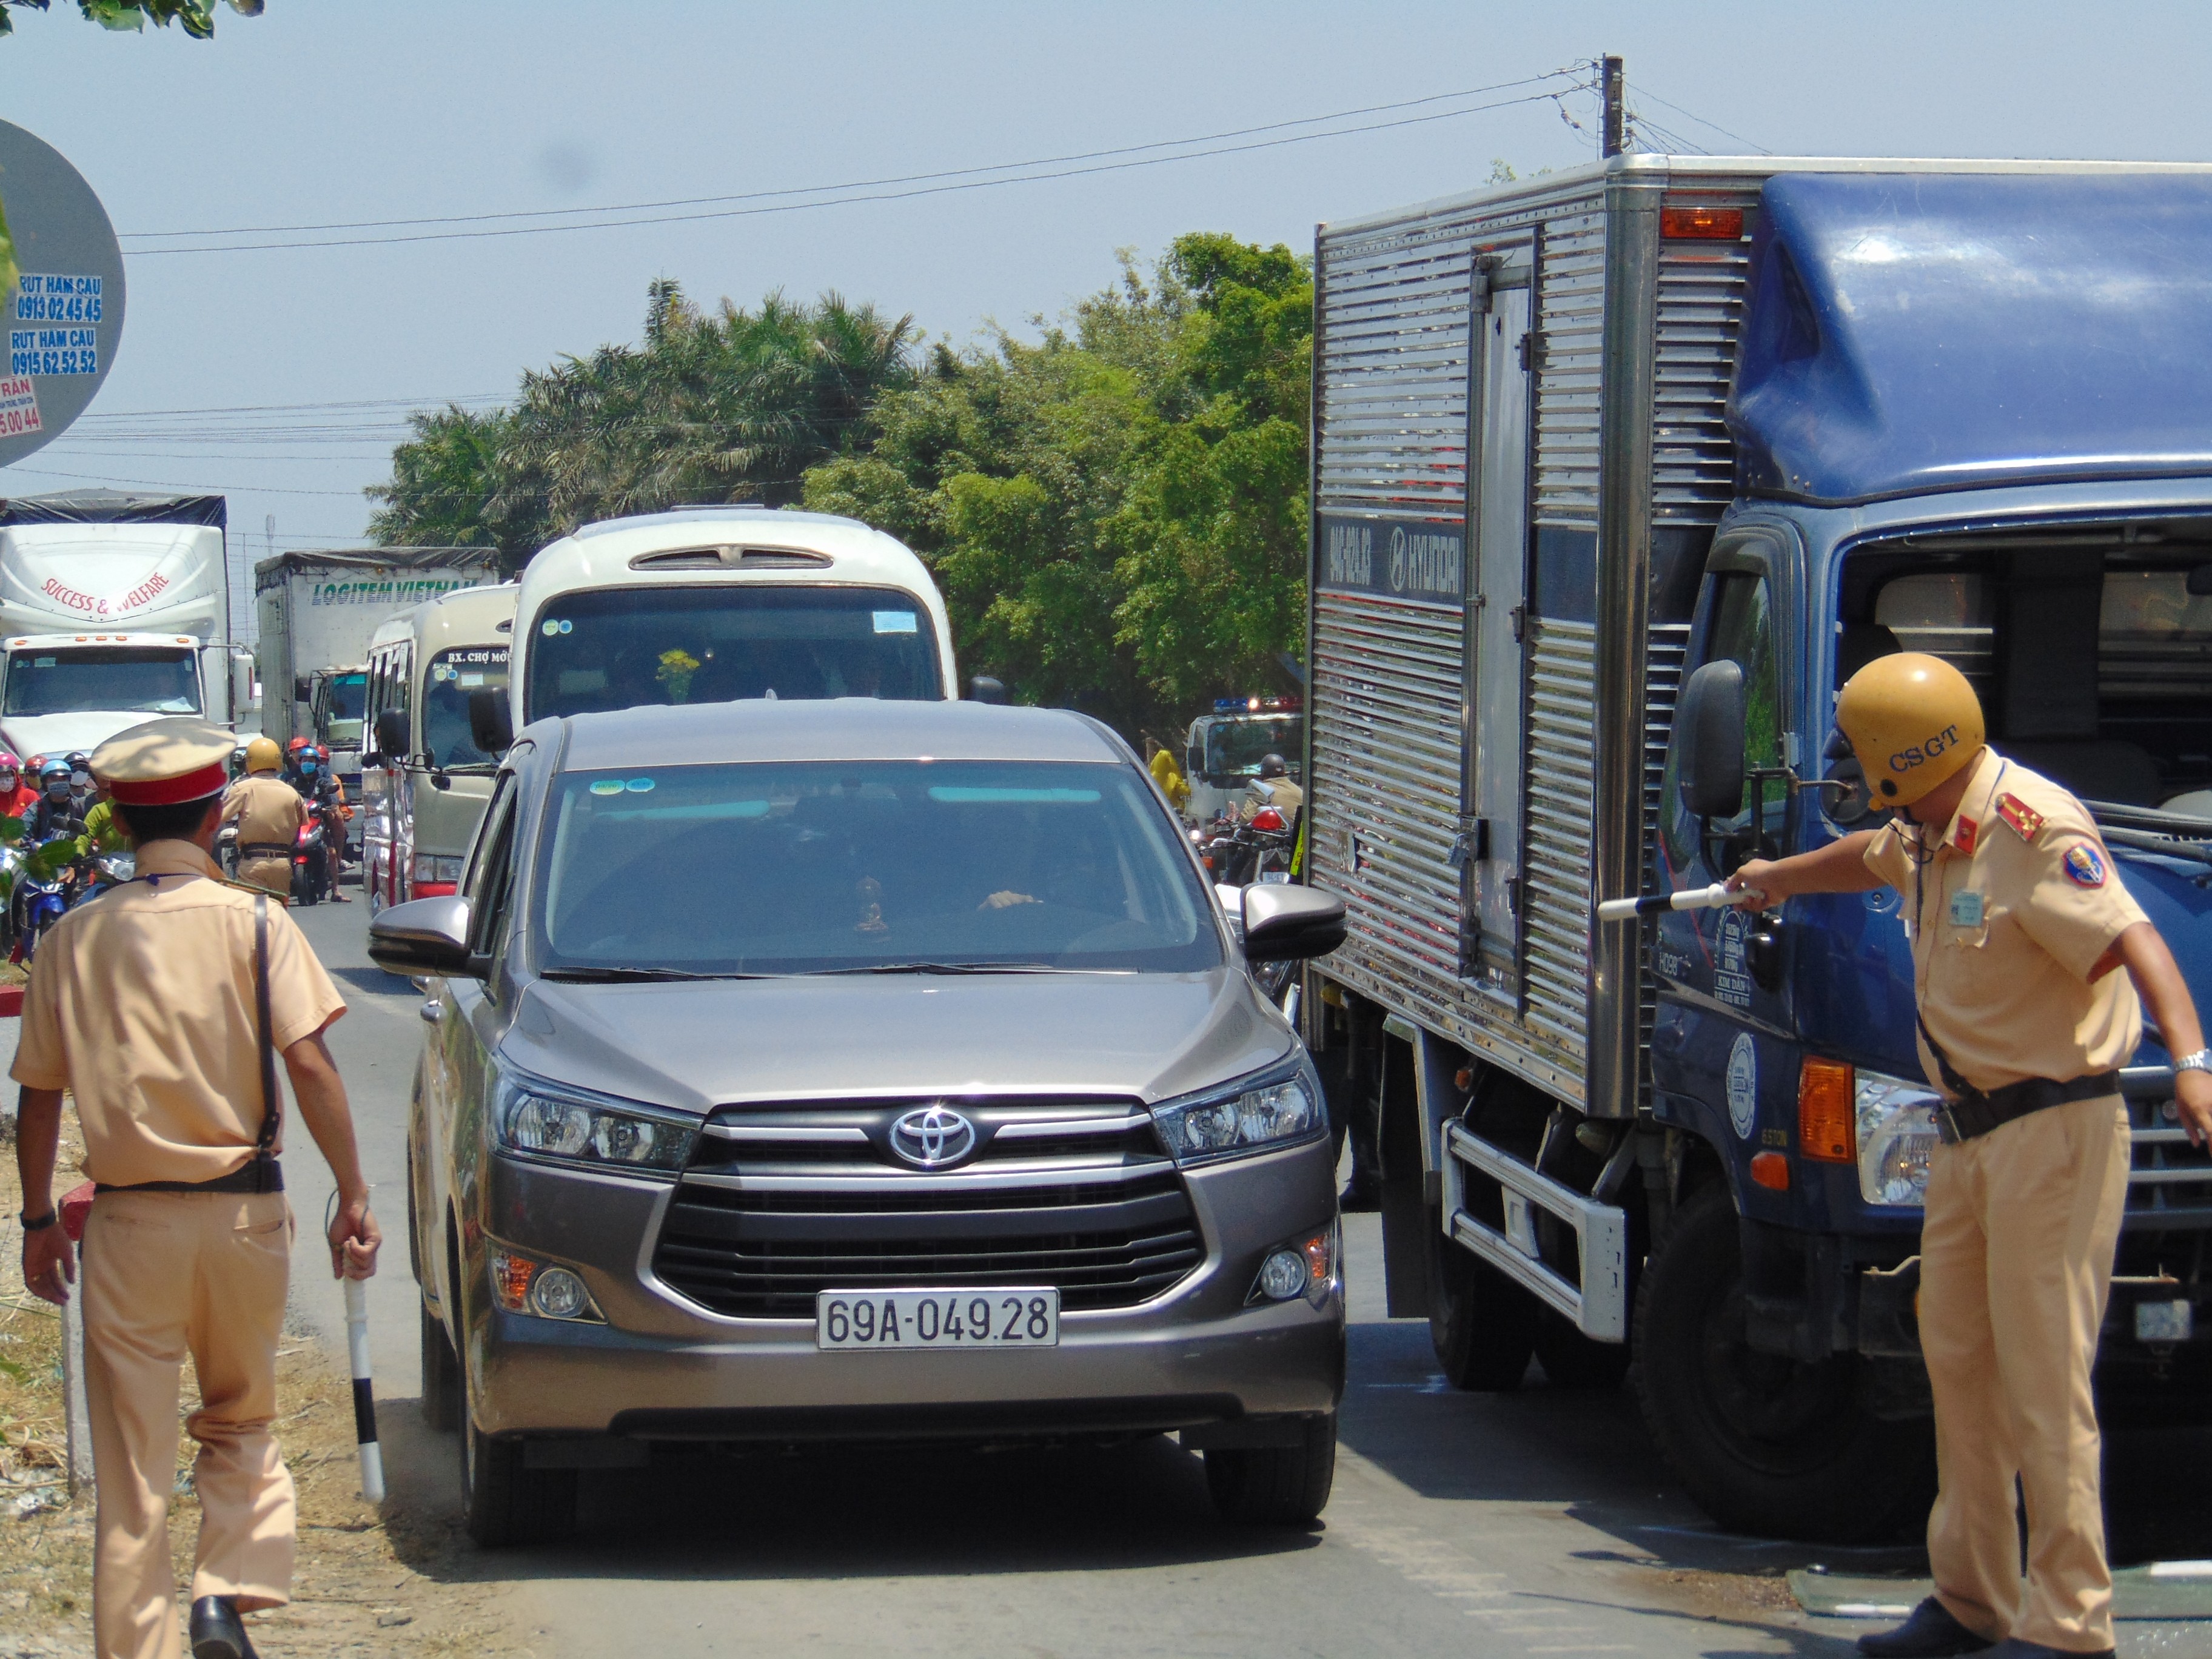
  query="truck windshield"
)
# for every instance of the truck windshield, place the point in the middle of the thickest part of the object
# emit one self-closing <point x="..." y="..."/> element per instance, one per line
<point x="454" y="675"/>
<point x="1235" y="748"/>
<point x="348" y="693"/>
<point x="121" y="679"/>
<point x="631" y="646"/>
<point x="857" y="867"/>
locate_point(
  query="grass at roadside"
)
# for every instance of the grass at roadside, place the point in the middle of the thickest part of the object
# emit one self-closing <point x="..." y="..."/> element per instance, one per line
<point x="352" y="1589"/>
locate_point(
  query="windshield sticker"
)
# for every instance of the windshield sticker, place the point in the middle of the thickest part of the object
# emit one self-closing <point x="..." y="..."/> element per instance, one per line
<point x="607" y="786"/>
<point x="551" y="626"/>
<point x="951" y="795"/>
<point x="896" y="622"/>
<point x="640" y="786"/>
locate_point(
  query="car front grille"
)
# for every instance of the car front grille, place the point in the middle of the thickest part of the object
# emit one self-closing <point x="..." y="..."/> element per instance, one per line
<point x="781" y="1202"/>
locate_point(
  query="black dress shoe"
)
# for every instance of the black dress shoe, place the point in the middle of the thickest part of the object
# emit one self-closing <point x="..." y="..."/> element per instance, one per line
<point x="2015" y="1649"/>
<point x="1931" y="1633"/>
<point x="217" y="1632"/>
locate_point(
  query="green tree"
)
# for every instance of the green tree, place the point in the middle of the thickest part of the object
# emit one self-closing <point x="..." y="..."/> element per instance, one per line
<point x="195" y="17"/>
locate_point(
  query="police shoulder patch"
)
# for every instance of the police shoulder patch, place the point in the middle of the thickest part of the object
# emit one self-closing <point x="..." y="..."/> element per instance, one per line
<point x="2084" y="864"/>
<point x="2024" y="818"/>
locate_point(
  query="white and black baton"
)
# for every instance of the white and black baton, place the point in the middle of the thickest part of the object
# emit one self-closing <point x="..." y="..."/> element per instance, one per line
<point x="364" y="1395"/>
<point x="1718" y="897"/>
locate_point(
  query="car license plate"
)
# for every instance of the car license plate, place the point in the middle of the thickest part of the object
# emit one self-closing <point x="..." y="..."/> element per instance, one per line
<point x="1003" y="1318"/>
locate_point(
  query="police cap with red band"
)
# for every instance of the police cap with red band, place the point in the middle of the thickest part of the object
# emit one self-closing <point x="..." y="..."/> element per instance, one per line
<point x="165" y="762"/>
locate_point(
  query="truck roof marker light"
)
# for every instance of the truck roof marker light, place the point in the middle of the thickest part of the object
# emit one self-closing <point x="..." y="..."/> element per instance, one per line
<point x="1703" y="224"/>
<point x="1826" y="1094"/>
<point x="1771" y="1170"/>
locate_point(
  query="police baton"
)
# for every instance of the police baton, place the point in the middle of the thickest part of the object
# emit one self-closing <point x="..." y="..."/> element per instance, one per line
<point x="1718" y="897"/>
<point x="364" y="1396"/>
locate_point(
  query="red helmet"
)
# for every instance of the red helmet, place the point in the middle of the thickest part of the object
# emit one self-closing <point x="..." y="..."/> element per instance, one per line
<point x="1268" y="818"/>
<point x="9" y="762"/>
<point x="296" y="745"/>
<point x="323" y="753"/>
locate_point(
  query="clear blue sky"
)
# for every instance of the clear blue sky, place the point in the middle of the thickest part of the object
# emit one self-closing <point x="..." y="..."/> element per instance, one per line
<point x="329" y="112"/>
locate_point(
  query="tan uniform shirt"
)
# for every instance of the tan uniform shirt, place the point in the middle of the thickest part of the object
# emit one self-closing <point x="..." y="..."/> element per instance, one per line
<point x="1280" y="793"/>
<point x="141" y="1004"/>
<point x="2008" y="912"/>
<point x="268" y="812"/>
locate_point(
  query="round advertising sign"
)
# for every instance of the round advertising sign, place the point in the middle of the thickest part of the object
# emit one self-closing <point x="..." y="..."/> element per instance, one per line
<point x="61" y="293"/>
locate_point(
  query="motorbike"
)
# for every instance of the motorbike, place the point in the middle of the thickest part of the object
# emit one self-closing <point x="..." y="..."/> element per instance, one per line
<point x="1240" y="853"/>
<point x="311" y="864"/>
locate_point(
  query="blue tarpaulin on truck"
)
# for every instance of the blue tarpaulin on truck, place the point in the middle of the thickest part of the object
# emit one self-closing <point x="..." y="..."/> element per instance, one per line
<point x="1907" y="333"/>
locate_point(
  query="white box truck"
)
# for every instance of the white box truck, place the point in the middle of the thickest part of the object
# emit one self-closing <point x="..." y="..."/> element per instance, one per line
<point x="114" y="610"/>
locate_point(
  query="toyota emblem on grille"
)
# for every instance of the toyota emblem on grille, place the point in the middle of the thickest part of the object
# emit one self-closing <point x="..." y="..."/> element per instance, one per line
<point x="932" y="1137"/>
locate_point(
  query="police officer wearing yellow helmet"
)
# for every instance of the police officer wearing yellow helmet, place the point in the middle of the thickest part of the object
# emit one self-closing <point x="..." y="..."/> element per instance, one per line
<point x="269" y="813"/>
<point x="161" y="1008"/>
<point x="2020" y="930"/>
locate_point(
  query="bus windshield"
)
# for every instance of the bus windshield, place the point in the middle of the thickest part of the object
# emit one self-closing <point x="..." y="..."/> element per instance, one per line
<point x="628" y="647"/>
<point x="454" y="675"/>
<point x="125" y="679"/>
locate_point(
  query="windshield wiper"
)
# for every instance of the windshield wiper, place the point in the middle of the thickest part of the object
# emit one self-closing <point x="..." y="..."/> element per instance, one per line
<point x="616" y="975"/>
<point x="945" y="968"/>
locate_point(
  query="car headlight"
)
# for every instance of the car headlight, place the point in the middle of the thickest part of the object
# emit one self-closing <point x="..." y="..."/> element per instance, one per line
<point x="1896" y="1132"/>
<point x="542" y="1120"/>
<point x="1271" y="1108"/>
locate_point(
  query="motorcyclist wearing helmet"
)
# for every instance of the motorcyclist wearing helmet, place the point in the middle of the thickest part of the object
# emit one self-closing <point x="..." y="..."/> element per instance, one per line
<point x="310" y="773"/>
<point x="58" y="812"/>
<point x="269" y="814"/>
<point x="2019" y="922"/>
<point x="1273" y="787"/>
<point x="82" y="786"/>
<point x="17" y="797"/>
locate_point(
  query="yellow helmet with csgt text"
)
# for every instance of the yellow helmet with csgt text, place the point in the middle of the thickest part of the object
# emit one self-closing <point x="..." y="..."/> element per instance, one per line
<point x="1913" y="721"/>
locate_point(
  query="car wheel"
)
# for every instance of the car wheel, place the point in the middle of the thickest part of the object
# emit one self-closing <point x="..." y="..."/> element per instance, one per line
<point x="1275" y="1486"/>
<point x="1777" y="1447"/>
<point x="1481" y="1324"/>
<point x="441" y="1375"/>
<point x="503" y="1502"/>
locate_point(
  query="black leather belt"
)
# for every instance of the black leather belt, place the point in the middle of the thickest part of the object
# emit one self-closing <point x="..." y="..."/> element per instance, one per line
<point x="1976" y="1113"/>
<point x="262" y="1174"/>
<point x="264" y="849"/>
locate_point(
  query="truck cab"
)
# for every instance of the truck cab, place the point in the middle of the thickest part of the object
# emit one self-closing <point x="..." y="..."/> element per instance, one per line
<point x="1222" y="750"/>
<point x="62" y="692"/>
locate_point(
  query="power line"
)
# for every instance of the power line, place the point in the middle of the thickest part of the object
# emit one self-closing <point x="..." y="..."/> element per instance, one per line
<point x="1642" y="91"/>
<point x="882" y="195"/>
<point x="166" y="483"/>
<point x="279" y="409"/>
<point x="858" y="184"/>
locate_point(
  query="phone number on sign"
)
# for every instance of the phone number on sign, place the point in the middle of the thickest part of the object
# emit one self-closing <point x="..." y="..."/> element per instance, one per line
<point x="67" y="360"/>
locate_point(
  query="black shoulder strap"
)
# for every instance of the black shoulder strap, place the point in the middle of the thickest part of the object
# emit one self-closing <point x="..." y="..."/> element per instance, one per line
<point x="272" y="1104"/>
<point x="1957" y="1085"/>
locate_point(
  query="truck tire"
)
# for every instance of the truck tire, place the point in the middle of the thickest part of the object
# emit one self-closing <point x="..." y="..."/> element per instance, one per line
<point x="1572" y="1360"/>
<point x="504" y="1502"/>
<point x="441" y="1375"/>
<point x="1482" y="1325"/>
<point x="1773" y="1447"/>
<point x="1275" y="1486"/>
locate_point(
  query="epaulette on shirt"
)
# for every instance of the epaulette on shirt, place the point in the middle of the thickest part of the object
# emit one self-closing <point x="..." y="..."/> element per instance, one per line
<point x="279" y="899"/>
<point x="2024" y="818"/>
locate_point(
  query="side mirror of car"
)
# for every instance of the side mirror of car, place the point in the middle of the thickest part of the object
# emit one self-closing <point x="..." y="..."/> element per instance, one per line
<point x="422" y="936"/>
<point x="1709" y="719"/>
<point x="987" y="687"/>
<point x="491" y="722"/>
<point x="392" y="735"/>
<point x="1284" y="923"/>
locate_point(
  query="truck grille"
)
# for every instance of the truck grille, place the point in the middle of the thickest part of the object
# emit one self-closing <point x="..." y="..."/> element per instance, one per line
<point x="2170" y="1186"/>
<point x="781" y="1203"/>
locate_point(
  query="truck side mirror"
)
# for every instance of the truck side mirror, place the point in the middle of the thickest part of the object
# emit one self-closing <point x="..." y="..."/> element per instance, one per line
<point x="492" y="724"/>
<point x="391" y="734"/>
<point x="1709" y="724"/>
<point x="303" y="688"/>
<point x="987" y="687"/>
<point x="1193" y="762"/>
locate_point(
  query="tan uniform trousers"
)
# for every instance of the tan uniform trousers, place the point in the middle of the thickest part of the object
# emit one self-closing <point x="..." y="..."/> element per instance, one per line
<point x="2016" y="1263"/>
<point x="166" y="1274"/>
<point x="275" y="874"/>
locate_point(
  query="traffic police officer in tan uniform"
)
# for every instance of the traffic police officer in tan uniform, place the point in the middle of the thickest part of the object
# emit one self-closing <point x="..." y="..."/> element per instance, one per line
<point x="147" y="1007"/>
<point x="2020" y="930"/>
<point x="269" y="813"/>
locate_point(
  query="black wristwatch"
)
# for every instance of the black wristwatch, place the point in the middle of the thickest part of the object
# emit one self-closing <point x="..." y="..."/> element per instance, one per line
<point x="42" y="1224"/>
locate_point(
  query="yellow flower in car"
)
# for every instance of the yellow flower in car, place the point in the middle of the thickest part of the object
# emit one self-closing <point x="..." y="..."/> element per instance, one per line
<point x="676" y="670"/>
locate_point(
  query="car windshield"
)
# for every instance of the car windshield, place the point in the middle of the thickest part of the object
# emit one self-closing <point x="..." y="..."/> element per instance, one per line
<point x="1235" y="748"/>
<point x="127" y="679"/>
<point x="851" y="866"/>
<point x="454" y="677"/>
<point x="629" y="647"/>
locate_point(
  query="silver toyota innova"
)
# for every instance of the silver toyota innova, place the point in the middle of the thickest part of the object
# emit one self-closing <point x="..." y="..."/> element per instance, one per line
<point x="845" y="1070"/>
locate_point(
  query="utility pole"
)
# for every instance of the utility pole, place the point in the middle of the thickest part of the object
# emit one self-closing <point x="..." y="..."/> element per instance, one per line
<point x="1615" y="120"/>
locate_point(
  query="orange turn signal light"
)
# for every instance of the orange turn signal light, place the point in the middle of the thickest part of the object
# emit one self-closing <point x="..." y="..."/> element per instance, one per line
<point x="1708" y="224"/>
<point x="510" y="1279"/>
<point x="1771" y="1170"/>
<point x="1824" y="1130"/>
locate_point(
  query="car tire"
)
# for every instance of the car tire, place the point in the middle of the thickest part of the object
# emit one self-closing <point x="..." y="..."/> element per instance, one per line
<point x="1275" y="1486"/>
<point x="441" y="1375"/>
<point x="1572" y="1360"/>
<point x="1775" y="1447"/>
<point x="1481" y="1324"/>
<point x="504" y="1502"/>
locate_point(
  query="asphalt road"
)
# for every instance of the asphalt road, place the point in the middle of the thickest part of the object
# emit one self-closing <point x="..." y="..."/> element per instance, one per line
<point x="1537" y="1523"/>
